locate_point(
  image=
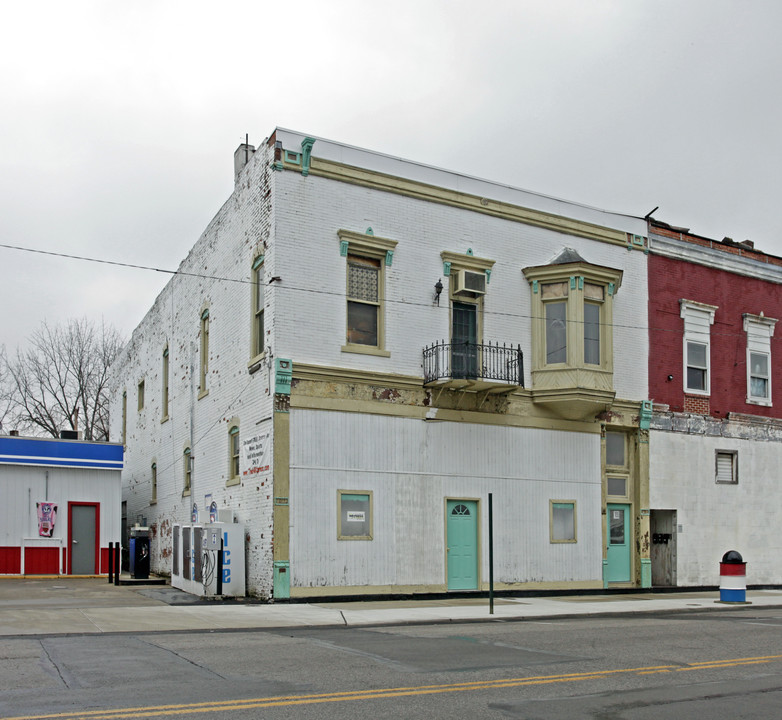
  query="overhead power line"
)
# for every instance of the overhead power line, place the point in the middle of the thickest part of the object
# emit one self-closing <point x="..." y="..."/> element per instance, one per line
<point x="275" y="281"/>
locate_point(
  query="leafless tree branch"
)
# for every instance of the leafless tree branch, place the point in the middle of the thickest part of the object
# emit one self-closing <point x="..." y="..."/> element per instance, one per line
<point x="60" y="381"/>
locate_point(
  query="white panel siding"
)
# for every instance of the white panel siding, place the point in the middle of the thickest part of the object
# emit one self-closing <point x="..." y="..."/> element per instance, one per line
<point x="411" y="467"/>
<point x="21" y="487"/>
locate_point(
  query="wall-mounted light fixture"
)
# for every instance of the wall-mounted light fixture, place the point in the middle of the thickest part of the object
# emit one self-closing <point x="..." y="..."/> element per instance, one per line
<point x="438" y="288"/>
<point x="670" y="377"/>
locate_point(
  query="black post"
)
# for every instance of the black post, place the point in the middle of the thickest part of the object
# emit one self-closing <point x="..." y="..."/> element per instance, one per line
<point x="117" y="562"/>
<point x="491" y="556"/>
<point x="220" y="568"/>
<point x="111" y="563"/>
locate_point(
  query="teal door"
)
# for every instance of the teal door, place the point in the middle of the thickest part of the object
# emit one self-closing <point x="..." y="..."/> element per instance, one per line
<point x="462" y="544"/>
<point x="464" y="338"/>
<point x="619" y="541"/>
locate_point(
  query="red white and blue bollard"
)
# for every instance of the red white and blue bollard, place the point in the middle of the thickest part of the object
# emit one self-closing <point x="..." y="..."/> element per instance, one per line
<point x="733" y="578"/>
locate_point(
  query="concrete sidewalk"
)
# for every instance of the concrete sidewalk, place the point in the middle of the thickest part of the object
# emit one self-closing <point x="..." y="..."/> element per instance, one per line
<point x="57" y="606"/>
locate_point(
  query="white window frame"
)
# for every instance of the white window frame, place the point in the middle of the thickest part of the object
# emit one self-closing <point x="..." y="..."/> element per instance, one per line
<point x="759" y="330"/>
<point x="698" y="319"/>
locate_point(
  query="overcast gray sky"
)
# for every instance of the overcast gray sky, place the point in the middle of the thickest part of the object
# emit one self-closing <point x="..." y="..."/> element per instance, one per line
<point x="119" y="120"/>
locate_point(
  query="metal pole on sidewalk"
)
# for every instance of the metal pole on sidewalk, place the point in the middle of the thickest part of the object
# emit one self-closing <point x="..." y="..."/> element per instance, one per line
<point x="491" y="556"/>
<point x="111" y="563"/>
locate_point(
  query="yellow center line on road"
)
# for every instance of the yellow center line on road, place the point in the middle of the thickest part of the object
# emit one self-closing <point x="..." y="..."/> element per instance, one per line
<point x="381" y="693"/>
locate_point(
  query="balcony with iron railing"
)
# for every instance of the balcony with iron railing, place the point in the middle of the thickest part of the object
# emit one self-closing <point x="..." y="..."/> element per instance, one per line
<point x="474" y="366"/>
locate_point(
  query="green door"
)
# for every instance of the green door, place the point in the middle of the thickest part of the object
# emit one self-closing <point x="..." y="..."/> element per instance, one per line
<point x="462" y="544"/>
<point x="464" y="338"/>
<point x="619" y="539"/>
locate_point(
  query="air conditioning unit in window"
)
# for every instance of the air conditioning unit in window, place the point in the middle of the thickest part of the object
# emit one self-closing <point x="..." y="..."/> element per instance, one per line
<point x="466" y="281"/>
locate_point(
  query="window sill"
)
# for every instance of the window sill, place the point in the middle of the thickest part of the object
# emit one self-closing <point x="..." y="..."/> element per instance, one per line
<point x="759" y="401"/>
<point x="203" y="394"/>
<point x="186" y="493"/>
<point x="164" y="419"/>
<point x="354" y="537"/>
<point x="697" y="393"/>
<point x="365" y="350"/>
<point x="153" y="502"/>
<point x="254" y="364"/>
<point x="233" y="482"/>
<point x="563" y="542"/>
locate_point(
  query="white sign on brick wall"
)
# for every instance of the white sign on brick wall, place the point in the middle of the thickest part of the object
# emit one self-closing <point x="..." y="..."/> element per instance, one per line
<point x="255" y="454"/>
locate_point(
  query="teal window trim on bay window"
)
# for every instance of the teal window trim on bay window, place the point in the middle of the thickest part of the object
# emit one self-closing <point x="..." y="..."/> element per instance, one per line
<point x="367" y="257"/>
<point x="572" y="310"/>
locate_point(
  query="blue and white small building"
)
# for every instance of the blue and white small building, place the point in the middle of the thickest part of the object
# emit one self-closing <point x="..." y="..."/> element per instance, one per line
<point x="61" y="505"/>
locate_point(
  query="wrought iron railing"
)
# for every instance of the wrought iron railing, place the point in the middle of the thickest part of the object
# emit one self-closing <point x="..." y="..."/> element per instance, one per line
<point x="474" y="361"/>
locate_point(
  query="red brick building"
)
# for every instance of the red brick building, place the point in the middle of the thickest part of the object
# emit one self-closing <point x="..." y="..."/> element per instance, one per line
<point x="715" y="364"/>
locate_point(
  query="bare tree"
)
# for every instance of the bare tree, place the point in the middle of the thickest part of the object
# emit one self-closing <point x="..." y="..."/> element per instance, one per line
<point x="60" y="381"/>
<point x="6" y="393"/>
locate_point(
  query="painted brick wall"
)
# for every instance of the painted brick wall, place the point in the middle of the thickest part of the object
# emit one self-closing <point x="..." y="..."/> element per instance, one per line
<point x="297" y="218"/>
<point x="216" y="273"/>
<point x="311" y="316"/>
<point x="671" y="280"/>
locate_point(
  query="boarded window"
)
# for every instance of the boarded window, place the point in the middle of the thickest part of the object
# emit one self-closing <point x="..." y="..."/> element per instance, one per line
<point x="355" y="521"/>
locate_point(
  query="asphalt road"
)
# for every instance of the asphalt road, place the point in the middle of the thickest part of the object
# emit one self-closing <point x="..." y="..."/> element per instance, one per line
<point x="641" y="667"/>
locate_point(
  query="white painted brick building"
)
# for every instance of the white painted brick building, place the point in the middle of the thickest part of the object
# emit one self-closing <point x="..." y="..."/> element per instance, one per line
<point x="377" y="470"/>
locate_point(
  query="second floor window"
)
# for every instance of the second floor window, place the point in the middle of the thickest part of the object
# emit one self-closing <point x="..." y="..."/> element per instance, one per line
<point x="164" y="384"/>
<point x="698" y="319"/>
<point x="363" y="301"/>
<point x="204" y="373"/>
<point x="760" y="330"/>
<point x="258" y="330"/>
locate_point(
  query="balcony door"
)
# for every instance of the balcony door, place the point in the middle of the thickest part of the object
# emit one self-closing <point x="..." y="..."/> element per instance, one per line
<point x="464" y="340"/>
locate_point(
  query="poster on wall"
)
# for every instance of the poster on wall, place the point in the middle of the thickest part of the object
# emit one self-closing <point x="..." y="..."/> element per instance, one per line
<point x="255" y="454"/>
<point x="47" y="515"/>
